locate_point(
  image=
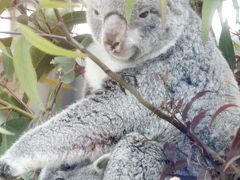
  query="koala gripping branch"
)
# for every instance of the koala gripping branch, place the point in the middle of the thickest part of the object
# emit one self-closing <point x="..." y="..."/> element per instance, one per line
<point x="209" y="153"/>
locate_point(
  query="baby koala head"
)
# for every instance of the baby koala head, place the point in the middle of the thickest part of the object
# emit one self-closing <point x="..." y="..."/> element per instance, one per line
<point x="144" y="37"/>
<point x="84" y="170"/>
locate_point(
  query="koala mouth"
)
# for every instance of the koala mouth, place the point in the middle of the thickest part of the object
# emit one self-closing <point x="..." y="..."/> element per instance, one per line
<point x="129" y="54"/>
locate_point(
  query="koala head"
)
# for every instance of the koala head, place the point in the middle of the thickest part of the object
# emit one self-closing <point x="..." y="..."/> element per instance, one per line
<point x="145" y="36"/>
<point x="79" y="171"/>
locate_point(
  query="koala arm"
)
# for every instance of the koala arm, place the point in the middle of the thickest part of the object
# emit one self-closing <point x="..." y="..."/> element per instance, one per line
<point x="84" y="130"/>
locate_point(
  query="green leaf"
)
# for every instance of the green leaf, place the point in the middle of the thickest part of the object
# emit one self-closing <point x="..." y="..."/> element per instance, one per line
<point x="8" y="65"/>
<point x="6" y="41"/>
<point x="5" y="4"/>
<point x="66" y="67"/>
<point x="163" y="6"/>
<point x="74" y="18"/>
<point x="226" y="45"/>
<point x="4" y="50"/>
<point x="45" y="45"/>
<point x="25" y="71"/>
<point x="57" y="4"/>
<point x="129" y="5"/>
<point x="4" y="131"/>
<point x="16" y="126"/>
<point x="208" y="10"/>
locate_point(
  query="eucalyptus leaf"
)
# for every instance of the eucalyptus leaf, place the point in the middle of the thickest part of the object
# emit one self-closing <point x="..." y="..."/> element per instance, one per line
<point x="67" y="68"/>
<point x="226" y="46"/>
<point x="208" y="10"/>
<point x="163" y="6"/>
<point x="129" y="5"/>
<point x="5" y="4"/>
<point x="25" y="71"/>
<point x="8" y="66"/>
<point x="4" y="50"/>
<point x="57" y="4"/>
<point x="4" y="131"/>
<point x="16" y="126"/>
<point x="45" y="45"/>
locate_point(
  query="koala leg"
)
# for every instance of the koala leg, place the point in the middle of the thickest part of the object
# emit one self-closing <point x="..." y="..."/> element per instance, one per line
<point x="85" y="130"/>
<point x="135" y="157"/>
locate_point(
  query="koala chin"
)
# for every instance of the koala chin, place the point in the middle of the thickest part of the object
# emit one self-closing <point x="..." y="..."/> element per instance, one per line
<point x="142" y="51"/>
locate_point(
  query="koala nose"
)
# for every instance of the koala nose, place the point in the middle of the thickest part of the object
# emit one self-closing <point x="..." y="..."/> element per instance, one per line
<point x="112" y="42"/>
<point x="114" y="32"/>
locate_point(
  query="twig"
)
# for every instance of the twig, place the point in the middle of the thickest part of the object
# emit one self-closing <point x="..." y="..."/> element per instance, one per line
<point x="16" y="109"/>
<point x="55" y="93"/>
<point x="212" y="155"/>
<point x="40" y="34"/>
<point x="16" y="98"/>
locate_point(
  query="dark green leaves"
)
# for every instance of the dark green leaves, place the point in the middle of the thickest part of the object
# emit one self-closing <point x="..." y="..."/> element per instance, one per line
<point x="226" y="46"/>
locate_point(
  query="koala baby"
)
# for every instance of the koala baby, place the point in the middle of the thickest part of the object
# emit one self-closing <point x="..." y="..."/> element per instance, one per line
<point x="142" y="51"/>
<point x="84" y="170"/>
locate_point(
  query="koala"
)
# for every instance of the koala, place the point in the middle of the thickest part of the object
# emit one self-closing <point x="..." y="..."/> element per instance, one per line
<point x="134" y="157"/>
<point x="163" y="61"/>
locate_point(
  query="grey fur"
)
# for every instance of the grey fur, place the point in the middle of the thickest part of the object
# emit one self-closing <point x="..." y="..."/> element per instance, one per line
<point x="139" y="157"/>
<point x="84" y="170"/>
<point x="91" y="127"/>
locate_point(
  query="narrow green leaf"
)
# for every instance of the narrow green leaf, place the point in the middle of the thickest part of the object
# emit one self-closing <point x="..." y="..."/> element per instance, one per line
<point x="4" y="131"/>
<point x="208" y="10"/>
<point x="163" y="6"/>
<point x="45" y="45"/>
<point x="25" y="71"/>
<point x="4" y="50"/>
<point x="5" y="4"/>
<point x="8" y="66"/>
<point x="226" y="45"/>
<point x="129" y="5"/>
<point x="57" y="4"/>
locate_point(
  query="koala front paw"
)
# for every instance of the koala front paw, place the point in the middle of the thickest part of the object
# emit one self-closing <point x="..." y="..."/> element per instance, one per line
<point x="5" y="171"/>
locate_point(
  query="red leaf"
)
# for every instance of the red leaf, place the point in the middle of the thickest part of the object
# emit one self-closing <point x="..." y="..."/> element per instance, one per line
<point x="234" y="151"/>
<point x="220" y="110"/>
<point x="189" y="104"/>
<point x="197" y="119"/>
<point x="231" y="161"/>
<point x="170" y="168"/>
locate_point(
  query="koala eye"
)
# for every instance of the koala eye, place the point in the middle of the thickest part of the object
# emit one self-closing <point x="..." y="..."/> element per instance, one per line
<point x="96" y="12"/>
<point x="66" y="167"/>
<point x="59" y="178"/>
<point x="144" y="14"/>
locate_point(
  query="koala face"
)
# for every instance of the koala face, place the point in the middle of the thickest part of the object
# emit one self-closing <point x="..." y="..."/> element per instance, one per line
<point x="144" y="37"/>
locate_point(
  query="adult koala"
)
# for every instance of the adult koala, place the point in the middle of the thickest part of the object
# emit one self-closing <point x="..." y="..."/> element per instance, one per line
<point x="145" y="50"/>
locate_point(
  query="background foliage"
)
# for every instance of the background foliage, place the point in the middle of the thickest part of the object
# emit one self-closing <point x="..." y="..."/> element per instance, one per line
<point x="37" y="53"/>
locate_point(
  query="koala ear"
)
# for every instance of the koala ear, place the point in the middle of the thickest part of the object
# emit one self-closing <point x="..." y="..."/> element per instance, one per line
<point x="101" y="163"/>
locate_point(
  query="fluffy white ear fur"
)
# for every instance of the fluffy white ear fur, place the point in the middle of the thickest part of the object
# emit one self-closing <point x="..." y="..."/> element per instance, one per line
<point x="95" y="75"/>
